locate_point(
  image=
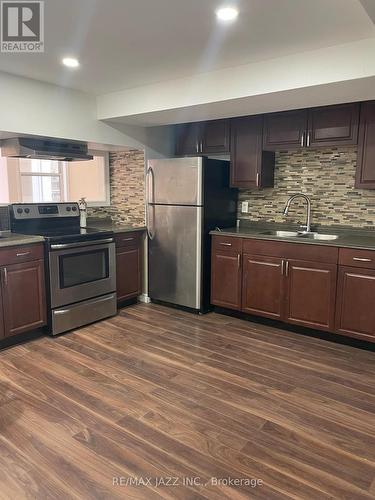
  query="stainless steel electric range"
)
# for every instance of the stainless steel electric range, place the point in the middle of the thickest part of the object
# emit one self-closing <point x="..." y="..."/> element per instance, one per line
<point x="80" y="265"/>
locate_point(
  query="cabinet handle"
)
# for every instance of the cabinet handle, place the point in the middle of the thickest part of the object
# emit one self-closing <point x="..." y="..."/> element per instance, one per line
<point x="127" y="239"/>
<point x="361" y="259"/>
<point x="287" y="268"/>
<point x="282" y="267"/>
<point x="5" y="274"/>
<point x="239" y="261"/>
<point x="197" y="146"/>
<point x="308" y="139"/>
<point x="302" y="139"/>
<point x="226" y="244"/>
<point x="22" y="254"/>
<point x="257" y="181"/>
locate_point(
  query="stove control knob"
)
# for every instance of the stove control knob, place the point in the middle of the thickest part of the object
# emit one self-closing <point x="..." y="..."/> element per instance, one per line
<point x="68" y="209"/>
<point x="19" y="210"/>
<point x="27" y="210"/>
<point x="74" y="209"/>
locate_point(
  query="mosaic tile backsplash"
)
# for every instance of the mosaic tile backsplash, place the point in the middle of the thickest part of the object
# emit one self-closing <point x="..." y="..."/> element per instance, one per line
<point x="327" y="176"/>
<point x="127" y="181"/>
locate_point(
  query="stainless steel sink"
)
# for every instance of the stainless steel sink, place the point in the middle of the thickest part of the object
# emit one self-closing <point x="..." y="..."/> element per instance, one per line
<point x="282" y="234"/>
<point x="318" y="236"/>
<point x="296" y="234"/>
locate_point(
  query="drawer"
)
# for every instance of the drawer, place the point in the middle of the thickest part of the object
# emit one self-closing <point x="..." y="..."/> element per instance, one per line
<point x="298" y="251"/>
<point x="128" y="239"/>
<point x="14" y="255"/>
<point x="227" y="243"/>
<point x="357" y="258"/>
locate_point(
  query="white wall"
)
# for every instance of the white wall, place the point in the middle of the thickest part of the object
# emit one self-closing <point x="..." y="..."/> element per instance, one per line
<point x="326" y="76"/>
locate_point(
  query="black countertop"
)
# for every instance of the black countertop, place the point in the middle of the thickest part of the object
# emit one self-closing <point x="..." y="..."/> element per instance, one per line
<point x="347" y="237"/>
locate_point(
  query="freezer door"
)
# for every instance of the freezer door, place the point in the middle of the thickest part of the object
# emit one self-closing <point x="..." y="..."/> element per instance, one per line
<point x="175" y="181"/>
<point x="175" y="255"/>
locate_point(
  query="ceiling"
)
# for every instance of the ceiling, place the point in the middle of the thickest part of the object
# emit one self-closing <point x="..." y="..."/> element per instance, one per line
<point x="129" y="43"/>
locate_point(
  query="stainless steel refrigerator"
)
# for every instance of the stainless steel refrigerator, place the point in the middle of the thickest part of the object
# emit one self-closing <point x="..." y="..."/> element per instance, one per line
<point x="186" y="199"/>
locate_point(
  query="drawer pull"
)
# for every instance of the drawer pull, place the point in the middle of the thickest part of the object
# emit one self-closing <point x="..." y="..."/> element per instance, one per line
<point x="362" y="259"/>
<point x="127" y="239"/>
<point x="23" y="254"/>
<point x="226" y="244"/>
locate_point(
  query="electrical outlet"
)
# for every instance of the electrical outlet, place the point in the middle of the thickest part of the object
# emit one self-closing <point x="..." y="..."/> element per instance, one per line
<point x="245" y="207"/>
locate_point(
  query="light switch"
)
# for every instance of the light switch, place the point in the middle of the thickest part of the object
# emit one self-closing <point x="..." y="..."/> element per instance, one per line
<point x="245" y="207"/>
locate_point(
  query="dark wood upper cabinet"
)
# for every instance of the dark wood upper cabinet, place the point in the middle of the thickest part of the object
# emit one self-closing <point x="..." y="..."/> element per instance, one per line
<point x="314" y="127"/>
<point x="263" y="286"/>
<point x="311" y="294"/>
<point x="333" y="125"/>
<point x="24" y="300"/>
<point x="251" y="167"/>
<point x="215" y="137"/>
<point x="187" y="139"/>
<point x="365" y="177"/>
<point x="285" y="130"/>
<point x="355" y="312"/>
<point x="211" y="137"/>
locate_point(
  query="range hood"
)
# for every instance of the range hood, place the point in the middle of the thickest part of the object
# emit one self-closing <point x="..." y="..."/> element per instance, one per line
<point x="45" y="148"/>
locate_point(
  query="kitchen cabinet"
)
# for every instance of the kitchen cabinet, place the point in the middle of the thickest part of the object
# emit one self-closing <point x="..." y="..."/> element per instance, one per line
<point x="263" y="286"/>
<point x="310" y="294"/>
<point x="285" y="130"/>
<point x="289" y="282"/>
<point x="215" y="137"/>
<point x="365" y="176"/>
<point x="187" y="139"/>
<point x="315" y="127"/>
<point x="211" y="137"/>
<point x="355" y="313"/>
<point x="128" y="265"/>
<point x="226" y="272"/>
<point x="333" y="125"/>
<point x="23" y="297"/>
<point x="2" y="331"/>
<point x="251" y="167"/>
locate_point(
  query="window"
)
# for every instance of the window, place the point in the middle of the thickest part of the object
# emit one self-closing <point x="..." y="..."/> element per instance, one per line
<point x="24" y="180"/>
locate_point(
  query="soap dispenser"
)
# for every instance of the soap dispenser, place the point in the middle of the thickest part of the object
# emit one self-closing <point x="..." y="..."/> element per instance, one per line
<point x="83" y="212"/>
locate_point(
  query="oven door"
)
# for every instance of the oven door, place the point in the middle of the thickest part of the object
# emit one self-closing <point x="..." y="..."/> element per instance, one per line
<point x="80" y="271"/>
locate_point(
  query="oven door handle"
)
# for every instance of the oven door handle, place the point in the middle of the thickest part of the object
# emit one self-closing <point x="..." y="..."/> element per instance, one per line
<point x="63" y="246"/>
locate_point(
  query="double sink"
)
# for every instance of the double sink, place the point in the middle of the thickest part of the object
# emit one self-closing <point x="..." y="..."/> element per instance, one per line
<point x="296" y="234"/>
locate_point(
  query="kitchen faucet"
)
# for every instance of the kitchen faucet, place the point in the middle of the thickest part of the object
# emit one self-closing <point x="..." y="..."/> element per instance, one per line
<point x="307" y="227"/>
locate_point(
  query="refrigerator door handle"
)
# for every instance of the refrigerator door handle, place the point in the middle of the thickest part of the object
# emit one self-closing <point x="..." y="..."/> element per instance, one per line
<point x="150" y="199"/>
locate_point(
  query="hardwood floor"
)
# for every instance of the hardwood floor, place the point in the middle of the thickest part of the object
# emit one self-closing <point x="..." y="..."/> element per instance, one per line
<point x="156" y="394"/>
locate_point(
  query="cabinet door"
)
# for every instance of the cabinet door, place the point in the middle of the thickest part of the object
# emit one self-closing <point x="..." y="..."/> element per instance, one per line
<point x="311" y="294"/>
<point x="250" y="166"/>
<point x="187" y="139"/>
<point x="128" y="273"/>
<point x="226" y="279"/>
<point x="2" y="331"/>
<point x="365" y="177"/>
<point x="333" y="125"/>
<point x="24" y="297"/>
<point x="215" y="137"/>
<point x="286" y="130"/>
<point x="263" y="286"/>
<point x="355" y="311"/>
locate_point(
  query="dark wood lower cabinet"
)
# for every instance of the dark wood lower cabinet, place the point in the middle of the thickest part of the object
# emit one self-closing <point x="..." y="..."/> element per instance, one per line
<point x="311" y="294"/>
<point x="128" y="265"/>
<point x="263" y="286"/>
<point x="355" y="312"/>
<point x="24" y="300"/>
<point x="226" y="277"/>
<point x="2" y="331"/>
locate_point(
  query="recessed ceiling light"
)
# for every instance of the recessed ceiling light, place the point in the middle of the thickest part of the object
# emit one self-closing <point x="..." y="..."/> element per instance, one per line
<point x="70" y="62"/>
<point x="227" y="14"/>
